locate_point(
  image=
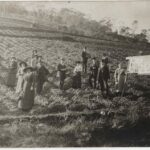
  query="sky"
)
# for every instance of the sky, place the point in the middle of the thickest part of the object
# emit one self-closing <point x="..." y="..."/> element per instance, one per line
<point x="122" y="13"/>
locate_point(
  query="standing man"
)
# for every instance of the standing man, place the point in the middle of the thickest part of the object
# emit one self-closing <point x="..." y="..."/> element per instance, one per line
<point x="93" y="73"/>
<point x="84" y="60"/>
<point x="103" y="77"/>
<point x="41" y="78"/>
<point x="62" y="72"/>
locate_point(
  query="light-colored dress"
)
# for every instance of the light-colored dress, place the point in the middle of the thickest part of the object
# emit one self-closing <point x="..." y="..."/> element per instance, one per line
<point x="120" y="79"/>
<point x="12" y="71"/>
<point x="20" y="80"/>
<point x="28" y="86"/>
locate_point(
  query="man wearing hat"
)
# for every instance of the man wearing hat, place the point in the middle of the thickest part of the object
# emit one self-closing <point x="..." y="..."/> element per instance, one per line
<point x="61" y="68"/>
<point x="93" y="73"/>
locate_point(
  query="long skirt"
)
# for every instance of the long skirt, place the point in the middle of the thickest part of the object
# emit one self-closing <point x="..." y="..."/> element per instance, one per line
<point x="39" y="87"/>
<point x="11" y="79"/>
<point x="27" y="100"/>
<point x="76" y="81"/>
<point x="19" y="84"/>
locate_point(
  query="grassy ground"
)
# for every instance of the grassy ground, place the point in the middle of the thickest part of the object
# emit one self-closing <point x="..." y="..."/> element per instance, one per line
<point x="113" y="121"/>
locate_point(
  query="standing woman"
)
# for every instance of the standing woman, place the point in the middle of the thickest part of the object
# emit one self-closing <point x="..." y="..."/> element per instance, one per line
<point x="20" y="74"/>
<point x="119" y="78"/>
<point x="28" y="89"/>
<point x="12" y="71"/>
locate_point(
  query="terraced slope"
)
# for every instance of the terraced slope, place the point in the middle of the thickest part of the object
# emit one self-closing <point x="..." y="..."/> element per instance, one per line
<point x="78" y="114"/>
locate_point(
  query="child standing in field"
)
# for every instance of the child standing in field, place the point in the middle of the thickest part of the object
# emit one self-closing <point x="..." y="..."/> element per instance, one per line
<point x="20" y="74"/>
<point x="77" y="75"/>
<point x="61" y="68"/>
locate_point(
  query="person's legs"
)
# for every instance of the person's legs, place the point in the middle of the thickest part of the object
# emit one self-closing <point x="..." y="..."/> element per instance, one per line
<point x="95" y="79"/>
<point x="107" y="87"/>
<point x="90" y="81"/>
<point x="83" y="66"/>
<point x="80" y="81"/>
<point x="38" y="87"/>
<point x="101" y="83"/>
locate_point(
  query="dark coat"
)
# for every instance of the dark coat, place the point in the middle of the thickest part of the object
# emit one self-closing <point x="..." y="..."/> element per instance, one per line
<point x="84" y="57"/>
<point x="42" y="73"/>
<point x="27" y="99"/>
<point x="62" y="71"/>
<point x="103" y="73"/>
<point x="11" y="79"/>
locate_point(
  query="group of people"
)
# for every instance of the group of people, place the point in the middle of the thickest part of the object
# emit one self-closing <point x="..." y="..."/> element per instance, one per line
<point x="98" y="72"/>
<point x="32" y="75"/>
<point x="27" y="78"/>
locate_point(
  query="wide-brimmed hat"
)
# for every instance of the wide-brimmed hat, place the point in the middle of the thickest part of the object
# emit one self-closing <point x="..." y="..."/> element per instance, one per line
<point x="28" y="68"/>
<point x="22" y="62"/>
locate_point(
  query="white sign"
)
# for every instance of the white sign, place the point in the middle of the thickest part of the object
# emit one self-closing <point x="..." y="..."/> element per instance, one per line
<point x="139" y="64"/>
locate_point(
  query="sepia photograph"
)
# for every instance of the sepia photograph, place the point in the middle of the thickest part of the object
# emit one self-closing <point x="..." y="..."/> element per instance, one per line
<point x="74" y="74"/>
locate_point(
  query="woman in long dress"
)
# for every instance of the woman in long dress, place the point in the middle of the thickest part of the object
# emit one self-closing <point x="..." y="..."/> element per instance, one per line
<point x="119" y="78"/>
<point x="20" y="74"/>
<point x="12" y="71"/>
<point x="28" y="89"/>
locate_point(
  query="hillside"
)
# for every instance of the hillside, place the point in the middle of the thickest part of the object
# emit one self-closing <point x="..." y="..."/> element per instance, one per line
<point x="74" y="117"/>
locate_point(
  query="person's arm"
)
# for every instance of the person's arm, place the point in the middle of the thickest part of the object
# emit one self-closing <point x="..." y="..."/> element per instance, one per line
<point x="75" y="69"/>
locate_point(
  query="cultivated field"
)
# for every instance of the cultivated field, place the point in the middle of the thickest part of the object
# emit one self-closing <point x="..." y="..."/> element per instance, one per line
<point x="74" y="117"/>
